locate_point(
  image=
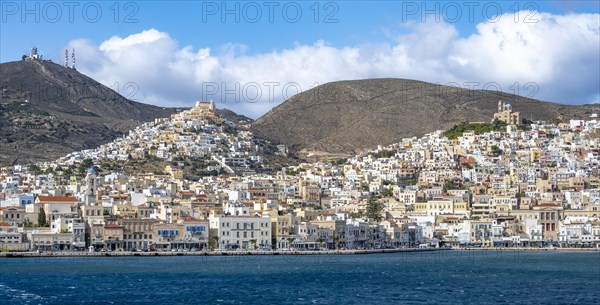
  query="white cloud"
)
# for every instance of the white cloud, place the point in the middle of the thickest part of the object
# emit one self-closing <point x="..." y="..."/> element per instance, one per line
<point x="559" y="53"/>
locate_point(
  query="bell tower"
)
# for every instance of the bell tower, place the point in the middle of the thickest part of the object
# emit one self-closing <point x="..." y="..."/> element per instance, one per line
<point x="90" y="187"/>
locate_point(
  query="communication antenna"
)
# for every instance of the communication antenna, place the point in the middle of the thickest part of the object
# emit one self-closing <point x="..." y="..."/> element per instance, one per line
<point x="73" y="57"/>
<point x="66" y="58"/>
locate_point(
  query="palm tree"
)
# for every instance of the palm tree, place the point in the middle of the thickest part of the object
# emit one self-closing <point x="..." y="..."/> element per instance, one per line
<point x="215" y="241"/>
<point x="336" y="242"/>
<point x="290" y="241"/>
<point x="320" y="241"/>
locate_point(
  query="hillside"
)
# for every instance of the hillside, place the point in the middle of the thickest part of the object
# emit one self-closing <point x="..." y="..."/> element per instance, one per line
<point x="232" y="116"/>
<point x="199" y="141"/>
<point x="47" y="110"/>
<point x="340" y="118"/>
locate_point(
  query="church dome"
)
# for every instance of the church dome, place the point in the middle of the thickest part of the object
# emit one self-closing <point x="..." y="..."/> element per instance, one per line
<point x="91" y="170"/>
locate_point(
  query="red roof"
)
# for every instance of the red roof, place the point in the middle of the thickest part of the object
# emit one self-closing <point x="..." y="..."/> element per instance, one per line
<point x="57" y="199"/>
<point x="13" y="208"/>
<point x="190" y="219"/>
<point x="548" y="205"/>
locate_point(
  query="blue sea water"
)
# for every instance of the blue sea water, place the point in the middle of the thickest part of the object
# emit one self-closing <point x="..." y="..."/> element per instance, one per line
<point x="443" y="277"/>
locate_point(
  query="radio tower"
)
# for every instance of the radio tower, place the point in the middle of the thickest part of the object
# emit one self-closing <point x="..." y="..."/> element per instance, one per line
<point x="66" y="58"/>
<point x="73" y="57"/>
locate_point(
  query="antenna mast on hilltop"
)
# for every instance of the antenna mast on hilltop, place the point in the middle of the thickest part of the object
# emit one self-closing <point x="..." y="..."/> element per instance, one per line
<point x="66" y="58"/>
<point x="73" y="57"/>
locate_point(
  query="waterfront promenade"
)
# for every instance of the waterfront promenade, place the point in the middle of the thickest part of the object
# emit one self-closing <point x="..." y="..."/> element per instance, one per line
<point x="210" y="253"/>
<point x="277" y="252"/>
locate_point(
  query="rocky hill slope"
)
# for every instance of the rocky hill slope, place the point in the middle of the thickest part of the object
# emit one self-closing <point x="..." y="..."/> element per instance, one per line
<point x="47" y="110"/>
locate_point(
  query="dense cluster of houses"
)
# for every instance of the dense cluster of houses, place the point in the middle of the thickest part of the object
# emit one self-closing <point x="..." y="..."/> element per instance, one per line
<point x="534" y="187"/>
<point x="195" y="133"/>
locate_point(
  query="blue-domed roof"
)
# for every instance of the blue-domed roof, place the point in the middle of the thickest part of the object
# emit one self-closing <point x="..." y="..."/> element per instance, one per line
<point x="91" y="170"/>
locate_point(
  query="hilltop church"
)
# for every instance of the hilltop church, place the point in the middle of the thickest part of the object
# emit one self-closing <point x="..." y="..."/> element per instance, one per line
<point x="507" y="115"/>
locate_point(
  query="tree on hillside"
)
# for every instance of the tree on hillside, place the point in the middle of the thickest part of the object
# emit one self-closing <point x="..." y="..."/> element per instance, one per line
<point x="34" y="169"/>
<point x="496" y="151"/>
<point x="499" y="125"/>
<point x="374" y="209"/>
<point x="387" y="193"/>
<point x="84" y="166"/>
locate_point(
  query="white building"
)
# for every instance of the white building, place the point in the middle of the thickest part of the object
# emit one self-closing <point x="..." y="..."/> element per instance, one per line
<point x="245" y="232"/>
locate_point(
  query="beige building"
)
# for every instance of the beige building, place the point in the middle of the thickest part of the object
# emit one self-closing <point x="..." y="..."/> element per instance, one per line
<point x="481" y="233"/>
<point x="282" y="228"/>
<point x="507" y="115"/>
<point x="55" y="206"/>
<point x="13" y="214"/>
<point x="138" y="233"/>
<point x="549" y="217"/>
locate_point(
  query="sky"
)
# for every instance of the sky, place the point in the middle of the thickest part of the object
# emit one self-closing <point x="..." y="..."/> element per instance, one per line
<point x="249" y="56"/>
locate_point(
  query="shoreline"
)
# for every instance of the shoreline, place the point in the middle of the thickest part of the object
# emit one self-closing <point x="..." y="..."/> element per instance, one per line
<point x="207" y="253"/>
<point x="531" y="249"/>
<point x="283" y="253"/>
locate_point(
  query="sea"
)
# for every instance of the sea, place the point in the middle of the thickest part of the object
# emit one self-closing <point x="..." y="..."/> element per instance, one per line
<point x="439" y="277"/>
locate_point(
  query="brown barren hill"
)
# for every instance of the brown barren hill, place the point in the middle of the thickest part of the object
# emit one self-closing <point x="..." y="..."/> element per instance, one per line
<point x="346" y="116"/>
<point x="47" y="110"/>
